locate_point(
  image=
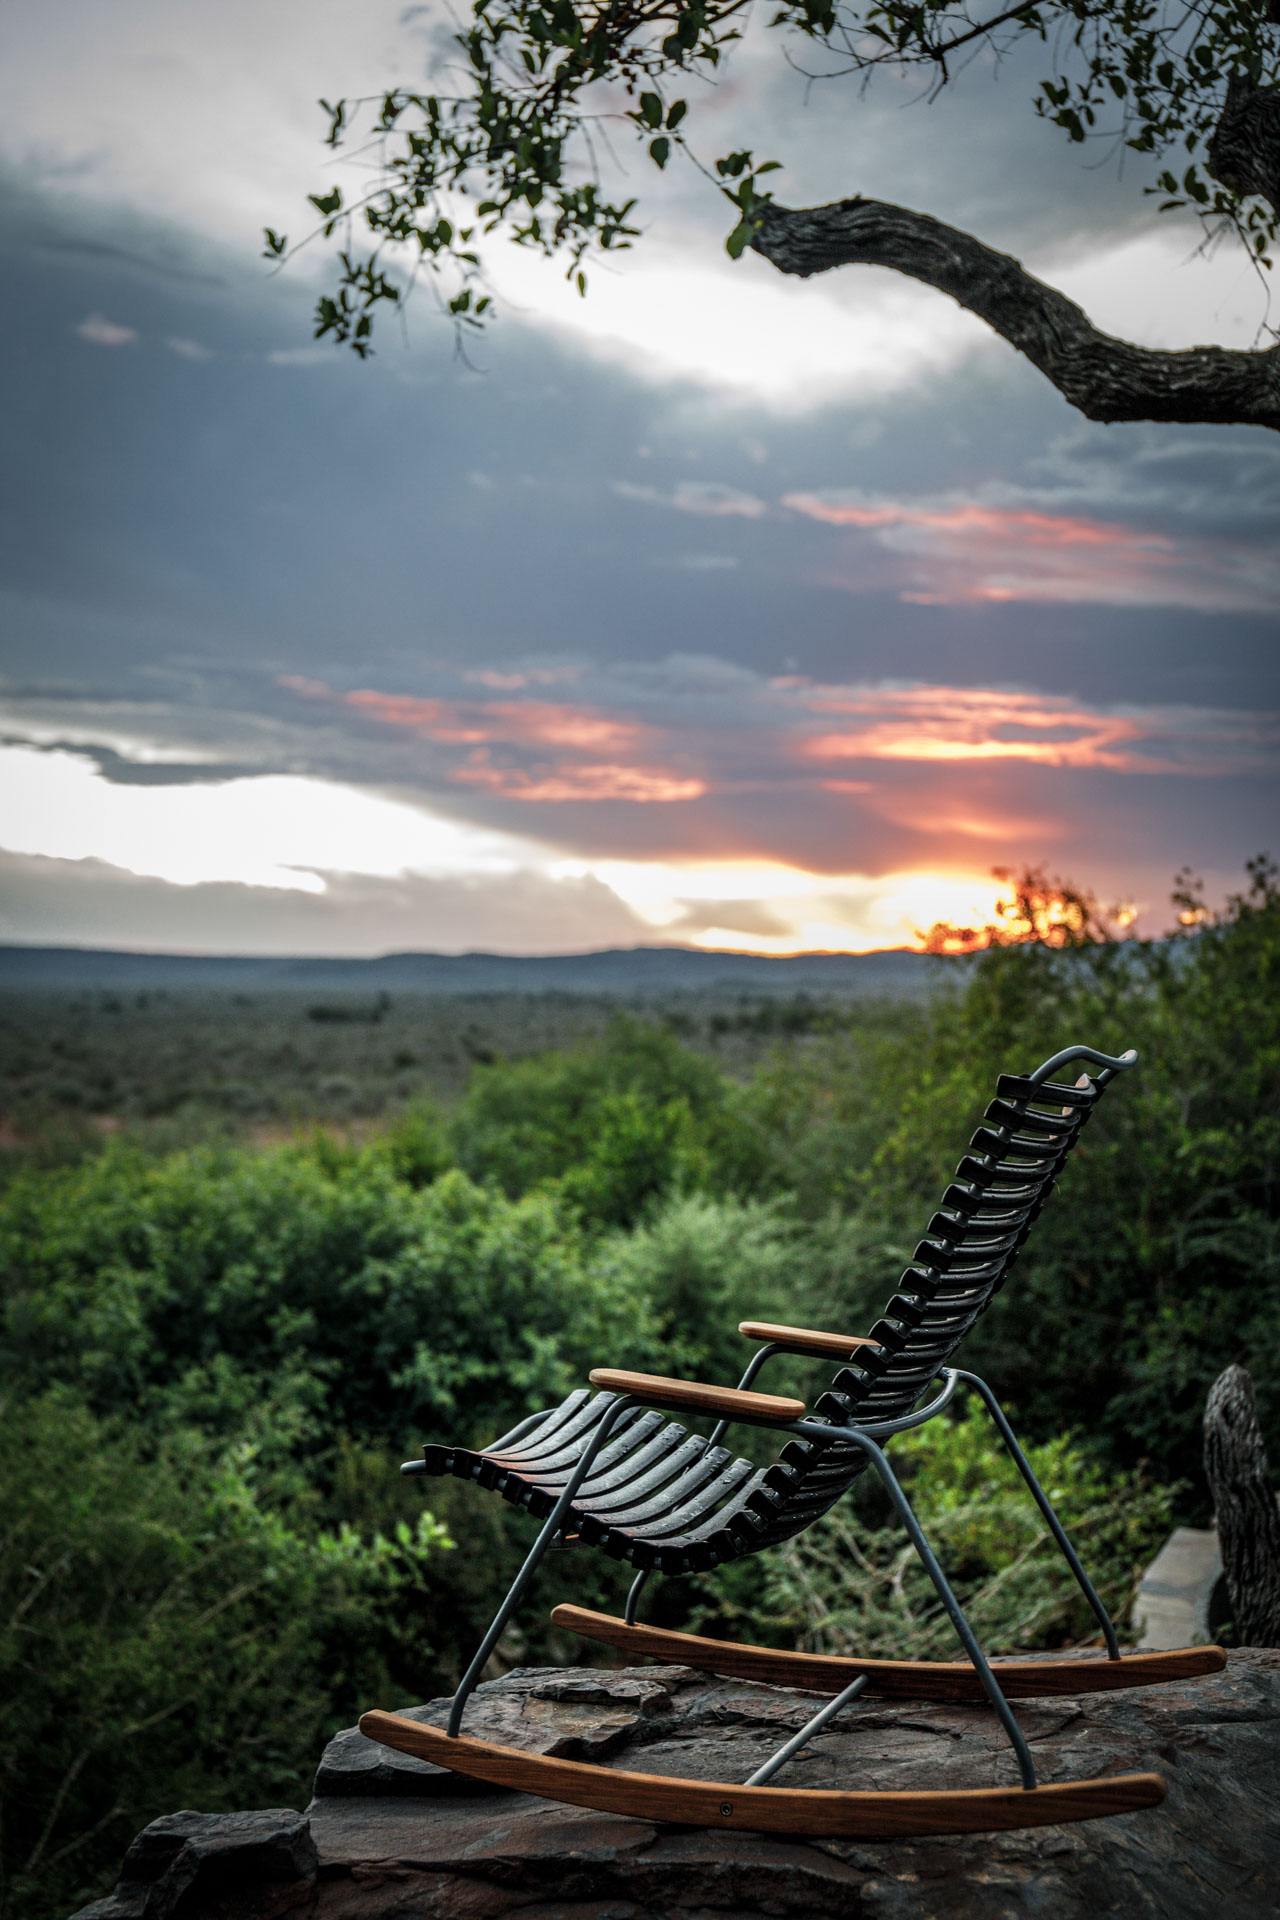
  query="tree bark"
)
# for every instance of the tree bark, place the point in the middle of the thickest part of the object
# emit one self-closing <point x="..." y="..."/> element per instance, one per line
<point x="1235" y="1462"/>
<point x="1244" y="153"/>
<point x="1106" y="378"/>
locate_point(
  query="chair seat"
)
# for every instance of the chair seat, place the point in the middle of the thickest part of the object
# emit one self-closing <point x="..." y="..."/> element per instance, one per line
<point x="658" y="1496"/>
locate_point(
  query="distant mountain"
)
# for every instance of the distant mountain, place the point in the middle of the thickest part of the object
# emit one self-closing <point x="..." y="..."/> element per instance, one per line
<point x="626" y="971"/>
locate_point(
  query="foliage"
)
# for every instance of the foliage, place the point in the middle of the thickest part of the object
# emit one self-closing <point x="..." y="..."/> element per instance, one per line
<point x="614" y="1125"/>
<point x="1036" y="910"/>
<point x="174" y="1067"/>
<point x="167" y="1638"/>
<point x="856" y="1586"/>
<point x="308" y="1272"/>
<point x="538" y="85"/>
<point x="702" y="1265"/>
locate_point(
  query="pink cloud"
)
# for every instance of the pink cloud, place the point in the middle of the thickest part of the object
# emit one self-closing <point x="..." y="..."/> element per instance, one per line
<point x="959" y="770"/>
<point x="952" y="551"/>
<point x="529" y="727"/>
<point x="470" y="722"/>
<point x="1031" y="529"/>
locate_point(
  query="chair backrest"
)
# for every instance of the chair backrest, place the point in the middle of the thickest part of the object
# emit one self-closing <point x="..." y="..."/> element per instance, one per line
<point x="969" y="1248"/>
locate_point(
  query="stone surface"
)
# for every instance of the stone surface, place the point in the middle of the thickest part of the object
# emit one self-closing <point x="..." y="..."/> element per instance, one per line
<point x="577" y="1715"/>
<point x="394" y="1846"/>
<point x="189" y="1862"/>
<point x="1173" y="1603"/>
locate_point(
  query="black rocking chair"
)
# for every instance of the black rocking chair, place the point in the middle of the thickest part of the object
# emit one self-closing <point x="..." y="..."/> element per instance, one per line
<point x="610" y="1471"/>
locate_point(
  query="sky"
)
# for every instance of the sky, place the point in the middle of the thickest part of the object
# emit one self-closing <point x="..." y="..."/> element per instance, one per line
<point x="716" y="609"/>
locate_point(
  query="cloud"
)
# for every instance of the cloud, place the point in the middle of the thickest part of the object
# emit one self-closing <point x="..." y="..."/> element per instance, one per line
<point x="988" y="723"/>
<point x="710" y="497"/>
<point x="527" y="722"/>
<point x="961" y="550"/>
<point x="701" y="562"/>
<point x="49" y="902"/>
<point x="511" y="680"/>
<point x="532" y="751"/>
<point x="280" y="831"/>
<point x="637" y="785"/>
<point x="727" y="917"/>
<point x="106" y="333"/>
<point x="302" y="357"/>
<point x="188" y="349"/>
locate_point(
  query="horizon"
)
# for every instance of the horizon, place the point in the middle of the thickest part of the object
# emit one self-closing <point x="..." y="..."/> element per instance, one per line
<point x="477" y="953"/>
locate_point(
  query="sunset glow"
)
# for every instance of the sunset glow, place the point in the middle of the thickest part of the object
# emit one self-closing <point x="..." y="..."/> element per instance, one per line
<point x="300" y="836"/>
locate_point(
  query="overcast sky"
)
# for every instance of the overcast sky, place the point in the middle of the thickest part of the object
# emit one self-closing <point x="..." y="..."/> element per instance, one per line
<point x="715" y="608"/>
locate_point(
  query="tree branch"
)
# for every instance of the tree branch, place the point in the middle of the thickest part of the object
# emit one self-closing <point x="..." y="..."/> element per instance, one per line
<point x="1244" y="152"/>
<point x="1106" y="378"/>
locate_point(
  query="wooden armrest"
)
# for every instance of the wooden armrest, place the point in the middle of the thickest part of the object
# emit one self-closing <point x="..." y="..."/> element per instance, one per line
<point x="768" y="1409"/>
<point x="802" y="1340"/>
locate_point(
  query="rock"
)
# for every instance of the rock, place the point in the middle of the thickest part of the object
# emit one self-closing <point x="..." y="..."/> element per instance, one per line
<point x="213" y="1863"/>
<point x="1174" y="1603"/>
<point x="581" y="1715"/>
<point x="1213" y="1844"/>
<point x="395" y="1846"/>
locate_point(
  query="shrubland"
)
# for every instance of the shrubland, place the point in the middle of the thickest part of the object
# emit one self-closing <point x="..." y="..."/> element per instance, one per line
<point x="215" y="1358"/>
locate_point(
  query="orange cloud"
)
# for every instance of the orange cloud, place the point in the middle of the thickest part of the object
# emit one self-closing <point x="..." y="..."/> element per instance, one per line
<point x="523" y="722"/>
<point x="954" y="723"/>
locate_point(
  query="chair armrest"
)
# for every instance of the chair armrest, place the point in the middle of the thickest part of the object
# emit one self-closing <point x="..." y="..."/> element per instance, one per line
<point x="802" y="1340"/>
<point x="757" y="1409"/>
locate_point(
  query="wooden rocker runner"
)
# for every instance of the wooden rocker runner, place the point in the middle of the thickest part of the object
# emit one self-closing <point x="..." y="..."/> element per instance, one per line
<point x="611" y="1471"/>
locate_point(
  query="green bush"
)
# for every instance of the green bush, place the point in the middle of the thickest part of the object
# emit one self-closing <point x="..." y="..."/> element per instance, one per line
<point x="167" y="1639"/>
<point x="397" y="1310"/>
<point x="617" y="1125"/>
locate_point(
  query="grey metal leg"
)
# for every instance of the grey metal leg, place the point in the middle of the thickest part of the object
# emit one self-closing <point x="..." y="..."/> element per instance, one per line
<point x="551" y="1527"/>
<point x="633" y="1597"/>
<point x="1043" y="1502"/>
<point x="955" y="1612"/>
<point x="764" y="1774"/>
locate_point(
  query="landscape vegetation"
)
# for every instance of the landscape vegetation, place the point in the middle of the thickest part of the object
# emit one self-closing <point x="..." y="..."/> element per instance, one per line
<point x="255" y="1251"/>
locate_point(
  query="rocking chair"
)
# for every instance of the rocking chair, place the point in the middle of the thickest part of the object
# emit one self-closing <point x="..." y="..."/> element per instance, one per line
<point x="610" y="1471"/>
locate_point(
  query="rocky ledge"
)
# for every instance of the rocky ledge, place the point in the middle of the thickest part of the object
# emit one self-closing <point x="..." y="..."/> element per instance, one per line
<point x="390" y="1838"/>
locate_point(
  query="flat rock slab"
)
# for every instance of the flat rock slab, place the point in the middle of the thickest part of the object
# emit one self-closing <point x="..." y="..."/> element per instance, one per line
<point x="390" y="1838"/>
<point x="1214" y="1845"/>
<point x="579" y="1714"/>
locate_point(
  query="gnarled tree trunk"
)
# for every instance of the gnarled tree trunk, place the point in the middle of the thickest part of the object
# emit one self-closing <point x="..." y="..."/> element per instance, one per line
<point x="1106" y="378"/>
<point x="1235" y="1461"/>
